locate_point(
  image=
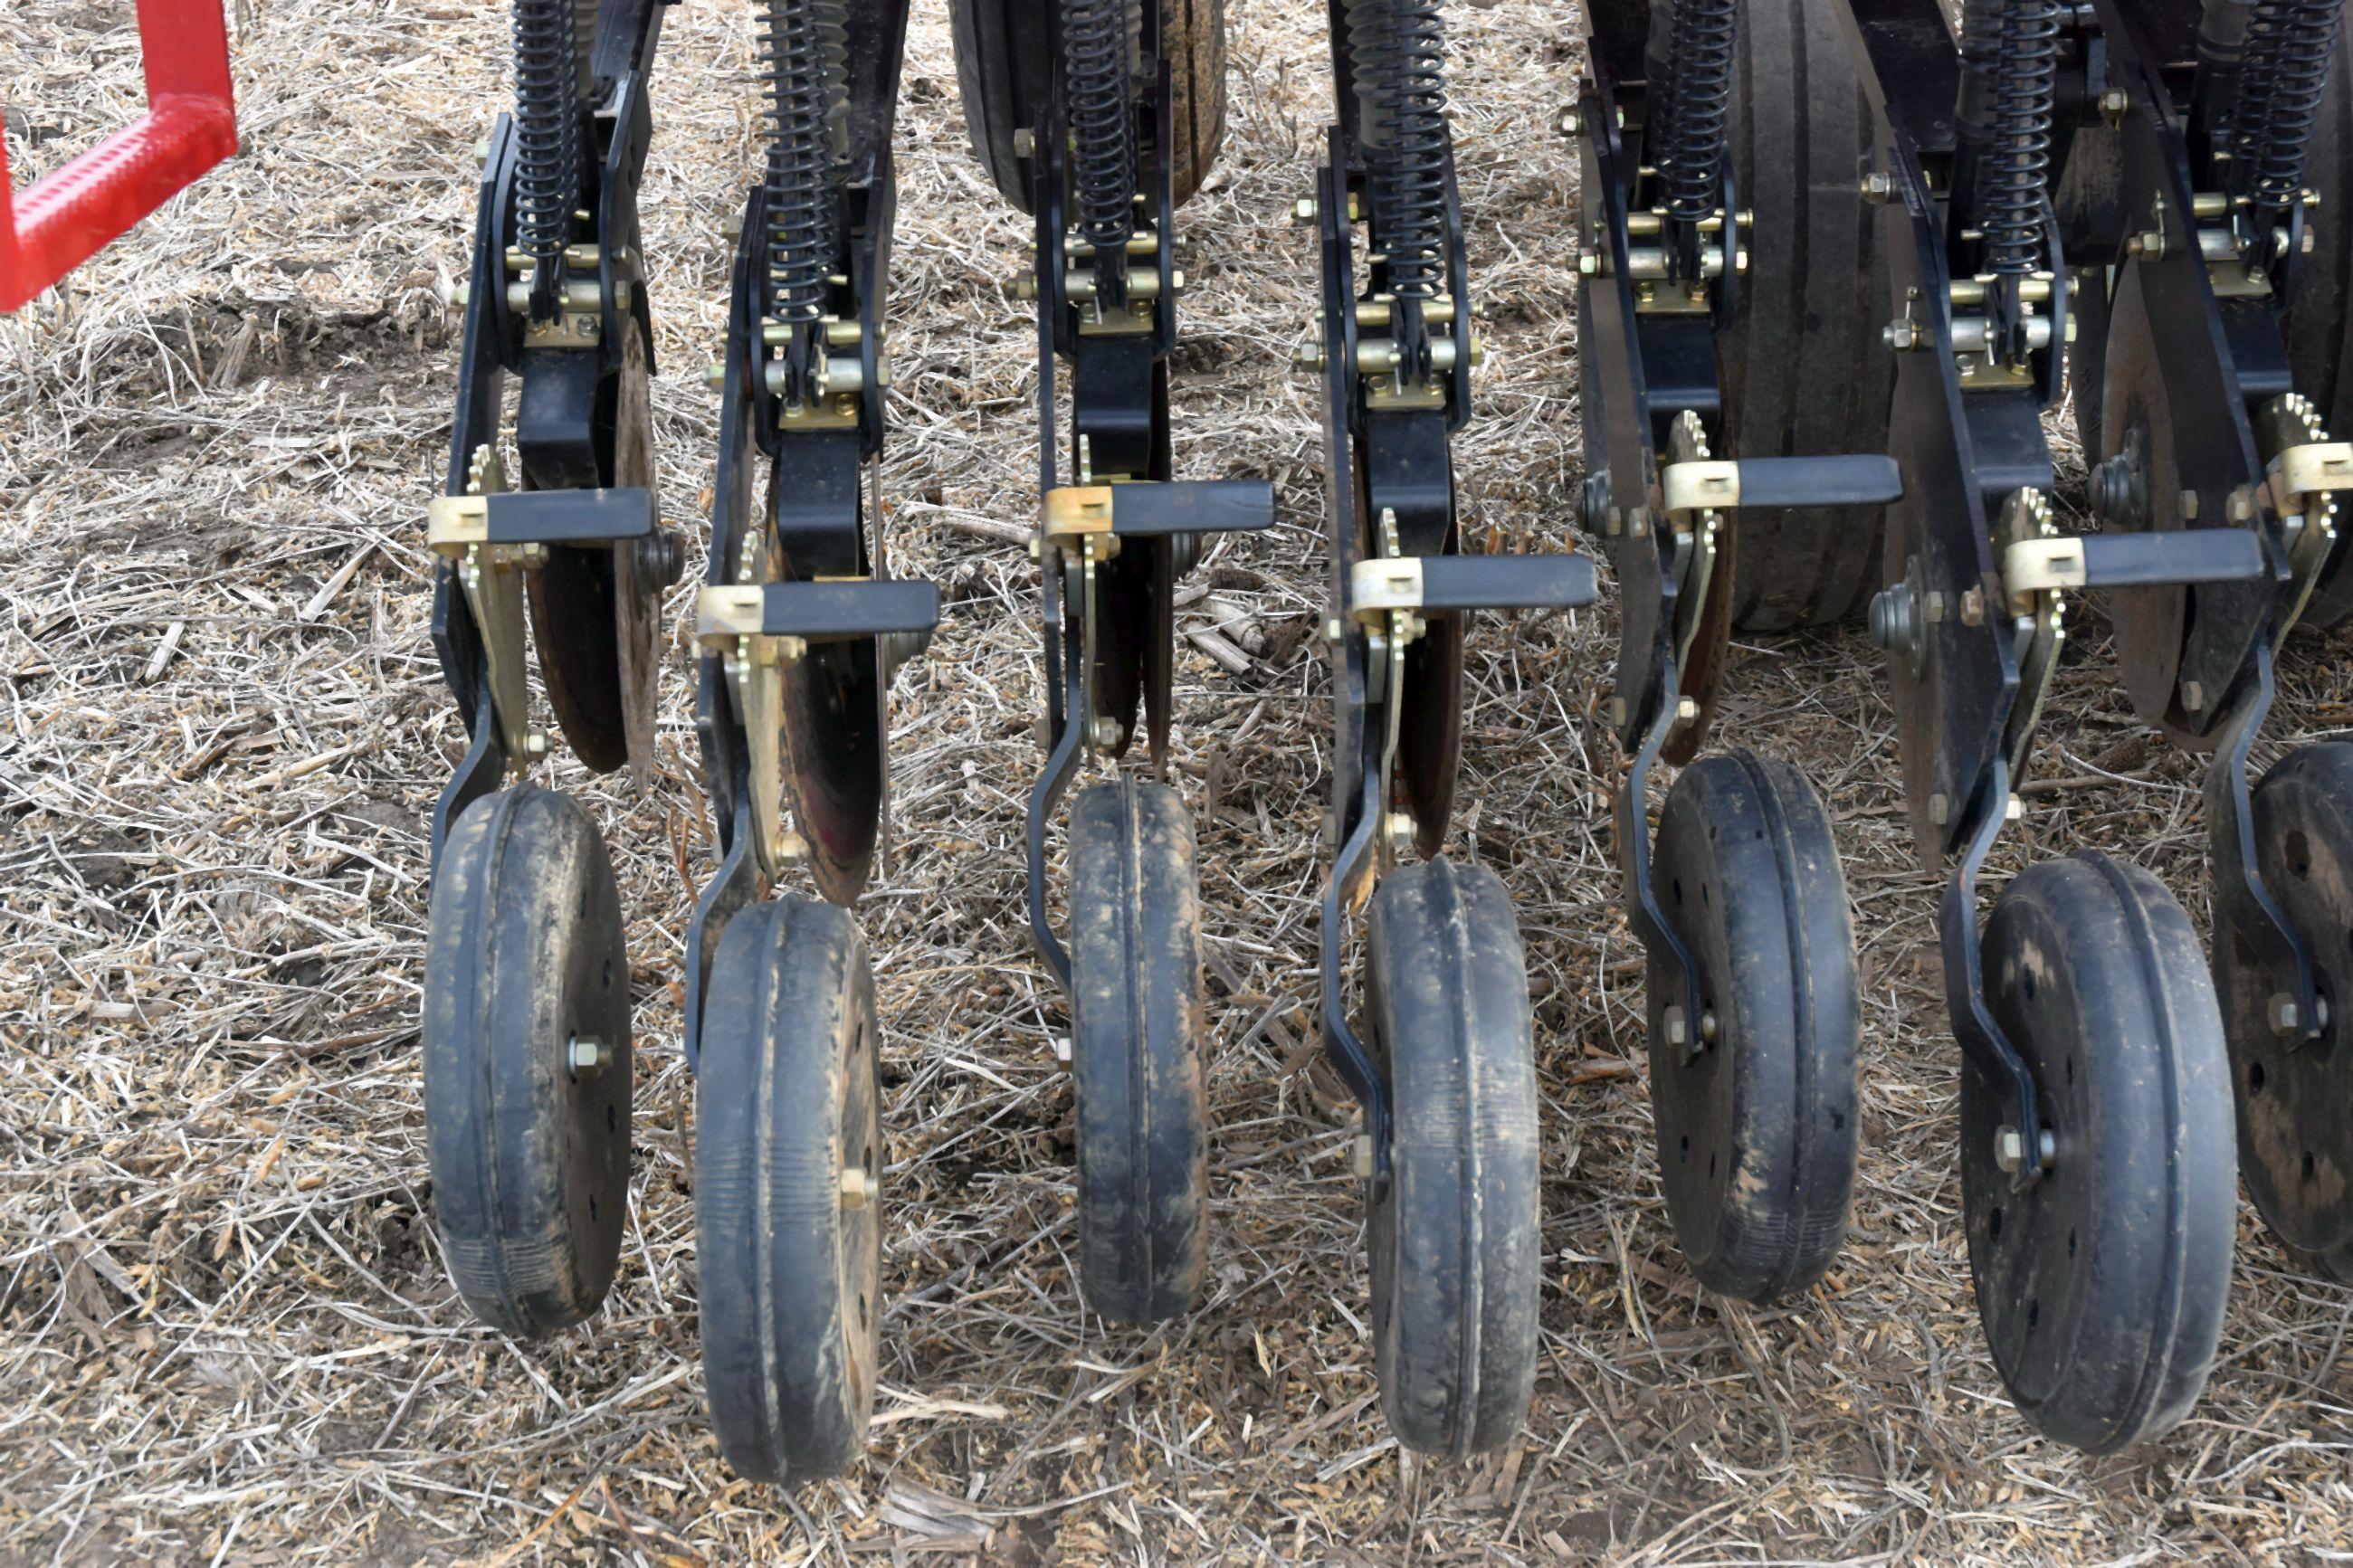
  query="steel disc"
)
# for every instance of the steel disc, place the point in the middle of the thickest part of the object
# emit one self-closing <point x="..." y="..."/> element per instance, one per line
<point x="2149" y="623"/>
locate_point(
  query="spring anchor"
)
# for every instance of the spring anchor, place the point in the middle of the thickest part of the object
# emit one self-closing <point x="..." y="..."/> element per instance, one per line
<point x="553" y="40"/>
<point x="803" y="46"/>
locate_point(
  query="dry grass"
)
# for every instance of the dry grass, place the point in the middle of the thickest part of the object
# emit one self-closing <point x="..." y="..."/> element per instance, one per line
<point x="225" y="1332"/>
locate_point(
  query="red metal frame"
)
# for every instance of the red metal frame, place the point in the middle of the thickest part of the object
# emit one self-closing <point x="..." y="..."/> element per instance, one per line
<point x="190" y="125"/>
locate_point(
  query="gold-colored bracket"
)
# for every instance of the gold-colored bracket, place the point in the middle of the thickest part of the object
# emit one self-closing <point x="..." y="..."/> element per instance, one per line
<point x="491" y="577"/>
<point x="1073" y="514"/>
<point x="2035" y="564"/>
<point x="1701" y="485"/>
<point x="2314" y="468"/>
<point x="1383" y="584"/>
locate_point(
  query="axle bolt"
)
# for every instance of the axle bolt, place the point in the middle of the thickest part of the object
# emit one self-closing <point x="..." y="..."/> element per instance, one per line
<point x="1878" y="186"/>
<point x="587" y="1057"/>
<point x="1308" y="355"/>
<point x="1590" y="264"/>
<point x="1973" y="607"/>
<point x="860" y="1188"/>
<point x="534" y="745"/>
<point x="1398" y="828"/>
<point x="1025" y="144"/>
<point x="2286" y="1016"/>
<point x="1305" y="210"/>
<point x="1108" y="732"/>
<point x="2009" y="1149"/>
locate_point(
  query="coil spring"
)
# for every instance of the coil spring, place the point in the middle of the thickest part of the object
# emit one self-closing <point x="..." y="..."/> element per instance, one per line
<point x="548" y="60"/>
<point x="1097" y="35"/>
<point x="1699" y="100"/>
<point x="2289" y="45"/>
<point x="804" y="46"/>
<point x="1397" y="52"/>
<point x="2012" y="46"/>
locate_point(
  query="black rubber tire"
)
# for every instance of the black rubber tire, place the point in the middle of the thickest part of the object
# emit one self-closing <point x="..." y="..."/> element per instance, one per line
<point x="2295" y="1097"/>
<point x="1756" y="1131"/>
<point x="787" y="1100"/>
<point x="1002" y="72"/>
<point x="2095" y="974"/>
<point x="1456" y="1239"/>
<point x="1804" y="371"/>
<point x="2318" y="326"/>
<point x="1137" y="1036"/>
<point x="530" y="1159"/>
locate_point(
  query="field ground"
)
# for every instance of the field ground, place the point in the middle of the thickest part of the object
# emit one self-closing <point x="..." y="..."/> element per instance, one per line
<point x="226" y="1335"/>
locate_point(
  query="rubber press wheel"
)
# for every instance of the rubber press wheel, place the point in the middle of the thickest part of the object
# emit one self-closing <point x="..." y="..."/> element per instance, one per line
<point x="2294" y="1095"/>
<point x="2102" y="1286"/>
<point x="1455" y="1239"/>
<point x="530" y="1148"/>
<point x="2318" y="327"/>
<point x="1804" y="371"/>
<point x="787" y="1159"/>
<point x="1756" y="1114"/>
<point x="1136" y="1051"/>
<point x="1002" y="71"/>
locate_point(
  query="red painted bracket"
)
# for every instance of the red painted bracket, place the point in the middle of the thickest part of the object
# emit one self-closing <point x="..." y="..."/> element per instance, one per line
<point x="190" y="125"/>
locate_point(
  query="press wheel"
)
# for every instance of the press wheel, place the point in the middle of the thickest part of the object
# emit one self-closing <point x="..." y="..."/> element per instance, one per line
<point x="787" y="1161"/>
<point x="1804" y="370"/>
<point x="1756" y="1125"/>
<point x="1455" y="1238"/>
<point x="527" y="1062"/>
<point x="2102" y="1286"/>
<point x="2294" y="1096"/>
<point x="1136" y="1052"/>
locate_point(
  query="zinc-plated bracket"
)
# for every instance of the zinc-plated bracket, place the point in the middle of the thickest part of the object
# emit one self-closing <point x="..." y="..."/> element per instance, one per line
<point x="2031" y="566"/>
<point x="491" y="577"/>
<point x="1701" y="485"/>
<point x="2302" y="472"/>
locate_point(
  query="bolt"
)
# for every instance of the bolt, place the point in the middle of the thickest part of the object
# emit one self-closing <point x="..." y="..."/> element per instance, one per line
<point x="1108" y="732"/>
<point x="1677" y="1032"/>
<point x="2008" y="1149"/>
<point x="1572" y="123"/>
<point x="1617" y="712"/>
<point x="1940" y="808"/>
<point x="1590" y="264"/>
<point x="1062" y="1049"/>
<point x="1878" y="186"/>
<point x="1478" y="349"/>
<point x="1305" y="210"/>
<point x="1025" y="285"/>
<point x="2114" y="102"/>
<point x="1934" y="608"/>
<point x="1397" y="831"/>
<point x="1707" y="1026"/>
<point x="1901" y="333"/>
<point x="2193" y="697"/>
<point x="1686" y="710"/>
<point x="587" y="1056"/>
<point x="1308" y="355"/>
<point x="534" y="743"/>
<point x="2287" y="1018"/>
<point x="1333" y="629"/>
<point x="1973" y="607"/>
<point x="860" y="1188"/>
<point x="1025" y="142"/>
<point x="1360" y="1156"/>
<point x="714" y="375"/>
<point x="1177" y="281"/>
<point x="482" y="154"/>
<point x="457" y="296"/>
